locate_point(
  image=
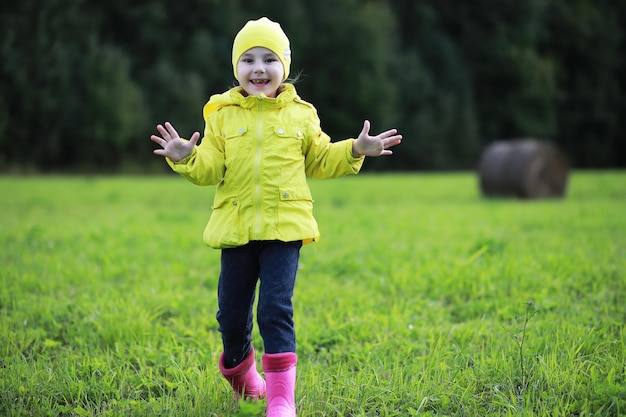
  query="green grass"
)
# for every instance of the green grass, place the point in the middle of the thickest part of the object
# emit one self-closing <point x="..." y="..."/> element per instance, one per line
<point x="422" y="299"/>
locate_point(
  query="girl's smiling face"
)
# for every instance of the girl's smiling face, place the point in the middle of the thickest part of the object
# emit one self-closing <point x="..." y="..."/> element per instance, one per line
<point x="260" y="72"/>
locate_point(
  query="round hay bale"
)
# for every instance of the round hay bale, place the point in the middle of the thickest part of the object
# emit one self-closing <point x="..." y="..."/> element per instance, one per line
<point x="525" y="168"/>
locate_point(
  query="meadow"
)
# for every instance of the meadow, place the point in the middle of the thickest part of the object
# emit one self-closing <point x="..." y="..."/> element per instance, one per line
<point x="421" y="299"/>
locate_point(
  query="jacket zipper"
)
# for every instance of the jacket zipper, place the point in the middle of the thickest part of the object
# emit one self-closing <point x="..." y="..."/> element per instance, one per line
<point x="257" y="173"/>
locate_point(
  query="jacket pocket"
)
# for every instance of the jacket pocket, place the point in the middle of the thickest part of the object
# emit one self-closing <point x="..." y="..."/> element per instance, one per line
<point x="291" y="139"/>
<point x="295" y="214"/>
<point x="288" y="131"/>
<point x="225" y="228"/>
<point x="237" y="146"/>
<point x="295" y="194"/>
<point x="234" y="132"/>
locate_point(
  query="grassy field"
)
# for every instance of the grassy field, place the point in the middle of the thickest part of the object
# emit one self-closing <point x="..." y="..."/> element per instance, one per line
<point x="422" y="299"/>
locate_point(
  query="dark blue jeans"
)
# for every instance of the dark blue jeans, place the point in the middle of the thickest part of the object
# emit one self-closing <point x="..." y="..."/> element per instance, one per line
<point x="274" y="264"/>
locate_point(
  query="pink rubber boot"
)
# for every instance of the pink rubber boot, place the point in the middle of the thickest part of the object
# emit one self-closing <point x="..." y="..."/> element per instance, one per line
<point x="280" y="372"/>
<point x="244" y="378"/>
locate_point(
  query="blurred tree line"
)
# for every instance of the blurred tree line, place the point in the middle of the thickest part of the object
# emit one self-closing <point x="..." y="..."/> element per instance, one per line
<point x="84" y="82"/>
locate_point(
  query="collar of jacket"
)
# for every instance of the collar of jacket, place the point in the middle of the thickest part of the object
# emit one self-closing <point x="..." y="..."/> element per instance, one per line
<point x="234" y="97"/>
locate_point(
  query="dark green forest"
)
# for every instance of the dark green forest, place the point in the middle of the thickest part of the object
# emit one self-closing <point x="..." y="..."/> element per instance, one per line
<point x="85" y="82"/>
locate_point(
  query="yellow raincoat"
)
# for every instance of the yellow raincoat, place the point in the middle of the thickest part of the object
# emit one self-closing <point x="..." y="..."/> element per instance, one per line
<point x="259" y="151"/>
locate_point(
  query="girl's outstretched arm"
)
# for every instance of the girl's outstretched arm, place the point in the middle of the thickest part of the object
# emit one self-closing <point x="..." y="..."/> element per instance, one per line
<point x="173" y="146"/>
<point x="366" y="145"/>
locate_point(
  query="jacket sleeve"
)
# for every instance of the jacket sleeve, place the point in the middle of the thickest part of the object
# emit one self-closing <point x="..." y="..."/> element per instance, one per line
<point x="326" y="159"/>
<point x="205" y="165"/>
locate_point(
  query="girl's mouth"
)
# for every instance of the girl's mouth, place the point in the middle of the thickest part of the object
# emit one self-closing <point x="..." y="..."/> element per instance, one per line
<point x="260" y="82"/>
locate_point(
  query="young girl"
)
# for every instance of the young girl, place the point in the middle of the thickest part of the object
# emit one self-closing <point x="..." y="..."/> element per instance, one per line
<point x="261" y="141"/>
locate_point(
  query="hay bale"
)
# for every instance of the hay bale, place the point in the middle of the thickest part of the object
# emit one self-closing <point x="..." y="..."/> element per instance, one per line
<point x="525" y="168"/>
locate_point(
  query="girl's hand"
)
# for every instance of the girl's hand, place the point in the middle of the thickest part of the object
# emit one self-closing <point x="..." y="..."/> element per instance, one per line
<point x="173" y="146"/>
<point x="374" y="145"/>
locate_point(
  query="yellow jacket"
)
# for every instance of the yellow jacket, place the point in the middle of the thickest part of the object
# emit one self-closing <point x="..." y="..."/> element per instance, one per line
<point x="259" y="151"/>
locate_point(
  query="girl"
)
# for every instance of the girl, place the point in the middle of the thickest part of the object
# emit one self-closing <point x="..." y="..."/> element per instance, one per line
<point x="261" y="141"/>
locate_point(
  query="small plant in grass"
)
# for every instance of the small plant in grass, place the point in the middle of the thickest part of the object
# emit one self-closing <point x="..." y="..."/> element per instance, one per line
<point x="520" y="339"/>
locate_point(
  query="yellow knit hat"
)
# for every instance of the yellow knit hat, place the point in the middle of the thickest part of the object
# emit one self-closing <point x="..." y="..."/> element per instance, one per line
<point x="264" y="33"/>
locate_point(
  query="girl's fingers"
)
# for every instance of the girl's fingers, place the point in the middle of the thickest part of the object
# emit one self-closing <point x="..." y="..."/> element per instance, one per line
<point x="168" y="132"/>
<point x="366" y="128"/>
<point x="194" y="138"/>
<point x="393" y="140"/>
<point x="158" y="140"/>
<point x="173" y="133"/>
<point x="388" y="133"/>
<point x="164" y="133"/>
